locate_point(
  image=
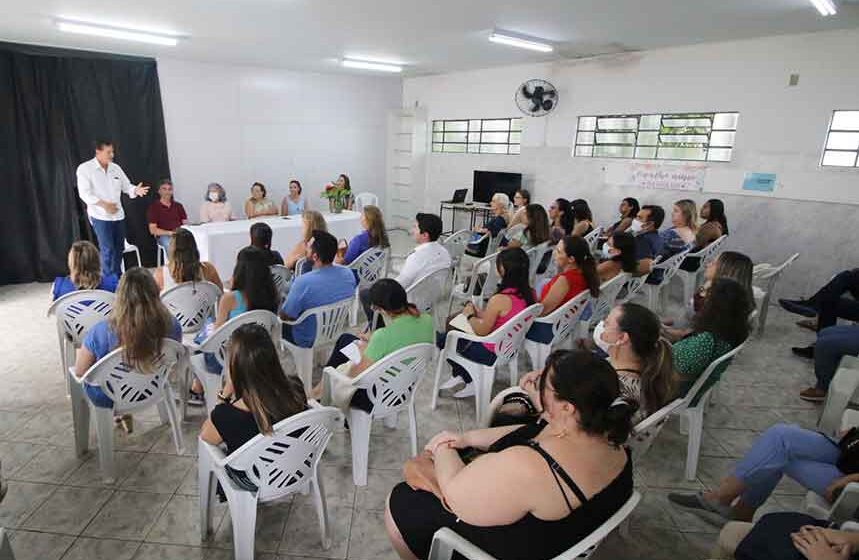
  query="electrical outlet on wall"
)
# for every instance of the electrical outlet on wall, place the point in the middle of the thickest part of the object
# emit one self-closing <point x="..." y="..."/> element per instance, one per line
<point x="793" y="80"/>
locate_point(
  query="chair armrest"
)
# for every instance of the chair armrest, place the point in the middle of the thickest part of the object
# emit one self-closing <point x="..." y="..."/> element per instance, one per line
<point x="215" y="452"/>
<point x="846" y="504"/>
<point x="446" y="541"/>
<point x="333" y="373"/>
<point x="313" y="403"/>
<point x="454" y="336"/>
<point x="73" y="375"/>
<point x="851" y="526"/>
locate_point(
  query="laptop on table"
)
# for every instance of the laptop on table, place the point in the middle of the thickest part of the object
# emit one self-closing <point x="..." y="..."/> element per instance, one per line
<point x="458" y="197"/>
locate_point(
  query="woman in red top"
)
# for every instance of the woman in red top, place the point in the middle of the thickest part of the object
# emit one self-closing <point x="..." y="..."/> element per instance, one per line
<point x="577" y="272"/>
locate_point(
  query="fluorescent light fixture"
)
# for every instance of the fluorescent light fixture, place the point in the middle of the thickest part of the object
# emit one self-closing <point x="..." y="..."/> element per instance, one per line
<point x="99" y="30"/>
<point x="370" y="65"/>
<point x="513" y="41"/>
<point x="825" y="7"/>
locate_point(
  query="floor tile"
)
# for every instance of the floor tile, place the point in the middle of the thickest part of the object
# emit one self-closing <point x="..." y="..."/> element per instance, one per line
<point x="52" y="464"/>
<point x="22" y="499"/>
<point x="152" y="551"/>
<point x="14" y="455"/>
<point x="159" y="473"/>
<point x="128" y="515"/>
<point x="270" y="524"/>
<point x="30" y="545"/>
<point x="90" y="474"/>
<point x="302" y="536"/>
<point x="338" y="484"/>
<point x="368" y="540"/>
<point x="68" y="510"/>
<point x="379" y="484"/>
<point x="179" y="522"/>
<point x="101" y="549"/>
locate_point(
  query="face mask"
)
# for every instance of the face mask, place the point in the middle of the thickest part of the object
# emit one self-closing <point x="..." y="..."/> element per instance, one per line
<point x="636" y="226"/>
<point x="606" y="252"/>
<point x="214" y="197"/>
<point x="598" y="340"/>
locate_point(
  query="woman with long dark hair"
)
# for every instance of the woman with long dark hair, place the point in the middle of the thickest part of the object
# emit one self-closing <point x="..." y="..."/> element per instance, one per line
<point x="261" y="235"/>
<point x="373" y="234"/>
<point x="620" y="255"/>
<point x="583" y="218"/>
<point x="514" y="294"/>
<point x="536" y="230"/>
<point x="715" y="226"/>
<point x="183" y="263"/>
<point x="561" y="219"/>
<point x="628" y="209"/>
<point x="521" y="199"/>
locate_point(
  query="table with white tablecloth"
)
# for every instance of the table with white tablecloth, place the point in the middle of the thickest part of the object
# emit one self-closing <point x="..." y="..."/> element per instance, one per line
<point x="220" y="242"/>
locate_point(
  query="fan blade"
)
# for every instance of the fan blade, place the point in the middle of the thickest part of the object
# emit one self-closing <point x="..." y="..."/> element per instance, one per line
<point x="525" y="93"/>
<point x="535" y="107"/>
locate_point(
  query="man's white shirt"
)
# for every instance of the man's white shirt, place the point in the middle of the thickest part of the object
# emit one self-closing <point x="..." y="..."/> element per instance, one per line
<point x="426" y="258"/>
<point x="95" y="183"/>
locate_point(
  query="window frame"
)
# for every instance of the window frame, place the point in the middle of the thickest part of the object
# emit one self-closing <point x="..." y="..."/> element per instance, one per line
<point x="829" y="131"/>
<point x="468" y="132"/>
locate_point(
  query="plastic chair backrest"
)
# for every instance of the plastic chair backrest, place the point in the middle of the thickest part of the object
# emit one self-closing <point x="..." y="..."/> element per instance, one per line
<point x="609" y="291"/>
<point x="77" y="312"/>
<point x="370" y="266"/>
<point x="508" y="338"/>
<point x="487" y="265"/>
<point x="299" y="267"/>
<point x="129" y="388"/>
<point x="281" y="463"/>
<point x="767" y="278"/>
<point x="645" y="432"/>
<point x="702" y="379"/>
<point x="494" y="242"/>
<point x="535" y="257"/>
<point x="191" y="303"/>
<point x="710" y="252"/>
<point x="216" y="342"/>
<point x="391" y="381"/>
<point x="281" y="277"/>
<point x="365" y="199"/>
<point x="514" y="231"/>
<point x="331" y="320"/>
<point x="428" y="290"/>
<point x="564" y="318"/>
<point x="633" y="285"/>
<point x="593" y="238"/>
<point x="669" y="266"/>
<point x="456" y="243"/>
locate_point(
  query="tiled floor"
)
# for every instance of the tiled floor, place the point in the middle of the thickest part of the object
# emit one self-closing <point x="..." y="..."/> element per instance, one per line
<point x="57" y="506"/>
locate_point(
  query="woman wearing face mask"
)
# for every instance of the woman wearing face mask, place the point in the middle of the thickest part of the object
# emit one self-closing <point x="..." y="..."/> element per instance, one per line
<point x="619" y="252"/>
<point x="216" y="208"/>
<point x="642" y="359"/>
<point x="294" y="204"/>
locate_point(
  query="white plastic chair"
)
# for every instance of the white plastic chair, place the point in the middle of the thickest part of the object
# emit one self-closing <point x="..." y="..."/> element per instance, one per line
<point x="692" y="279"/>
<point x="536" y="255"/>
<point x="507" y="340"/>
<point x="847" y="503"/>
<point x="765" y="277"/>
<point x="841" y="391"/>
<point x="445" y="541"/>
<point x="695" y="414"/>
<point x="285" y="462"/>
<point x="390" y="384"/>
<point x="299" y="267"/>
<point x="634" y="285"/>
<point x="365" y="199"/>
<point x="215" y="344"/>
<point x="513" y="231"/>
<point x="191" y="303"/>
<point x="455" y="244"/>
<point x="130" y="390"/>
<point x="160" y="254"/>
<point x="6" y="552"/>
<point x="669" y="268"/>
<point x="644" y="433"/>
<point x="428" y="291"/>
<point x="465" y="291"/>
<point x="563" y="321"/>
<point x="77" y="312"/>
<point x="601" y="306"/>
<point x="370" y="266"/>
<point x="593" y="239"/>
<point x="331" y="321"/>
<point x="282" y="278"/>
<point x="129" y="248"/>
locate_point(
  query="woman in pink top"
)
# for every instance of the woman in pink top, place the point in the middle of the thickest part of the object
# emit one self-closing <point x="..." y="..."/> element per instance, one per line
<point x="514" y="294"/>
<point x="216" y="208"/>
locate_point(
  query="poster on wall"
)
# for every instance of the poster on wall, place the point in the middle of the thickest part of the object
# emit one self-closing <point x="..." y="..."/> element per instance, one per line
<point x="659" y="175"/>
<point x="761" y="182"/>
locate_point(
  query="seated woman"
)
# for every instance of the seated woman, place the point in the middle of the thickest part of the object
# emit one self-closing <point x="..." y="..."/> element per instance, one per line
<point x="404" y="326"/>
<point x="620" y="255"/>
<point x="576" y="273"/>
<point x="514" y="294"/>
<point x="293" y="204"/>
<point x="629" y="208"/>
<point x="561" y="219"/>
<point x="720" y="326"/>
<point x="681" y="235"/>
<point x="261" y="235"/>
<point x="561" y="477"/>
<point x="583" y="219"/>
<point x="216" y="208"/>
<point x="84" y="272"/>
<point x="499" y="207"/>
<point x="258" y="205"/>
<point x="536" y="230"/>
<point x="183" y="263"/>
<point x="373" y="234"/>
<point x="521" y="200"/>
<point x="807" y="456"/>
<point x="311" y="220"/>
<point x="138" y="324"/>
<point x="715" y="225"/>
<point x="729" y="264"/>
<point x="257" y="393"/>
<point x="642" y="359"/>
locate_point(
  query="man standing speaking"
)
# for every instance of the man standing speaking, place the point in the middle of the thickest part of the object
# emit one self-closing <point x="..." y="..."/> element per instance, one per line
<point x="100" y="185"/>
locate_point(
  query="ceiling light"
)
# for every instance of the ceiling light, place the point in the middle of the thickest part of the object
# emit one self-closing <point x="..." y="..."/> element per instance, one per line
<point x="370" y="65"/>
<point x="513" y="41"/>
<point x="117" y="33"/>
<point x="825" y="7"/>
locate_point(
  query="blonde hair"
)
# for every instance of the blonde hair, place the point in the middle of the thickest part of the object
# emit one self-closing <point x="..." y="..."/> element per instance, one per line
<point x="313" y="220"/>
<point x="504" y="201"/>
<point x="84" y="265"/>
<point x="139" y="319"/>
<point x="689" y="211"/>
<point x="376" y="226"/>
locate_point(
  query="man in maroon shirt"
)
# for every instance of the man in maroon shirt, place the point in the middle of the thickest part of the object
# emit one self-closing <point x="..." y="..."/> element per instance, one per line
<point x="165" y="215"/>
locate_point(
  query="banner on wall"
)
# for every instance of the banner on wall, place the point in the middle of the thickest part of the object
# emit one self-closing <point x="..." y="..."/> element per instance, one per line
<point x="659" y="175"/>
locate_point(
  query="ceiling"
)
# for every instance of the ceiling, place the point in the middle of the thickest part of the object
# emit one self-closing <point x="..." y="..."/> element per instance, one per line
<point x="429" y="36"/>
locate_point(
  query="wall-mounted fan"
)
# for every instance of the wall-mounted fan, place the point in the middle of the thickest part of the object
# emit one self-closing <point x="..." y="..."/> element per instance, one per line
<point x="537" y="98"/>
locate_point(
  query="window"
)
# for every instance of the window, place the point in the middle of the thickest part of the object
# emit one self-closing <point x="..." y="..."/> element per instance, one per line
<point x="685" y="136"/>
<point x="842" y="140"/>
<point x="477" y="136"/>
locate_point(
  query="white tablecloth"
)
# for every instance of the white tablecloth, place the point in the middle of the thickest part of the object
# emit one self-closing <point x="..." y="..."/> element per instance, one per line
<point x="219" y="243"/>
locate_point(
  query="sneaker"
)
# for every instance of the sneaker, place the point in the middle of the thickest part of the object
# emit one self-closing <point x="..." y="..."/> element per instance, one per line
<point x="465" y="392"/>
<point x="813" y="394"/>
<point x="798" y="306"/>
<point x="804" y="351"/>
<point x="697" y="501"/>
<point x="450" y="383"/>
<point x="810" y="324"/>
<point x="195" y="399"/>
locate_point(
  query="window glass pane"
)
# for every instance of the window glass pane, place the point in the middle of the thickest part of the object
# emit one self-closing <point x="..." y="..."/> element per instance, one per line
<point x="726" y="121"/>
<point x="648" y="138"/>
<point x="645" y="153"/>
<point x="843" y="141"/>
<point x="498" y="124"/>
<point x="474" y="137"/>
<point x="438" y="126"/>
<point x="675" y="122"/>
<point x="584" y="151"/>
<point x="613" y="151"/>
<point x="650" y="122"/>
<point x="719" y="154"/>
<point x="681" y="153"/>
<point x="585" y="138"/>
<point x="845" y="120"/>
<point x="683" y="139"/>
<point x="474" y="125"/>
<point x="614" y="123"/>
<point x="839" y="159"/>
<point x="454" y="136"/>
<point x="515" y="137"/>
<point x="493" y="148"/>
<point x="494" y="137"/>
<point x="615" y="138"/>
<point x="722" y="138"/>
<point x="455" y="126"/>
<point x="436" y="147"/>
<point x="587" y="123"/>
<point x="454" y="148"/>
<point x="515" y="124"/>
<point x="474" y="148"/>
<point x="514" y="148"/>
<point x="437" y="136"/>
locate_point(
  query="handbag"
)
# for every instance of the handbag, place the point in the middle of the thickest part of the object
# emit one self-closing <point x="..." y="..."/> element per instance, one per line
<point x="848" y="459"/>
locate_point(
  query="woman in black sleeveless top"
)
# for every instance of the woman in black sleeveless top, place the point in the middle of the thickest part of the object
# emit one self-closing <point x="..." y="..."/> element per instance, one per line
<point x="540" y="488"/>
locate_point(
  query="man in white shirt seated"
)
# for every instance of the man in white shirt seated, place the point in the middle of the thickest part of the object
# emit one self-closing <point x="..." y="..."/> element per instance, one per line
<point x="428" y="256"/>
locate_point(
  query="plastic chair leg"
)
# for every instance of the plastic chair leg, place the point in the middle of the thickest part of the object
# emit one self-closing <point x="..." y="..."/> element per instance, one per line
<point x="212" y="385"/>
<point x="533" y="353"/>
<point x="243" y="514"/>
<point x="390" y="421"/>
<point x="360" y="424"/>
<point x="172" y="412"/>
<point x="440" y="365"/>
<point x="413" y="427"/>
<point x="353" y="314"/>
<point x="80" y="416"/>
<point x="483" y="382"/>
<point x="206" y="484"/>
<point x="690" y="282"/>
<point x="104" y="431"/>
<point x="318" y="490"/>
<point x="513" y="366"/>
<point x="693" y="448"/>
<point x="304" y="363"/>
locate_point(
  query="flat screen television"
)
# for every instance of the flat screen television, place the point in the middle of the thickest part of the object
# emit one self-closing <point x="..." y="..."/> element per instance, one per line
<point x="487" y="183"/>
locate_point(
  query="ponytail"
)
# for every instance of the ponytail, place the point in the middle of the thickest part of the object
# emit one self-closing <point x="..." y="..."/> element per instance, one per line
<point x="657" y="375"/>
<point x="578" y="249"/>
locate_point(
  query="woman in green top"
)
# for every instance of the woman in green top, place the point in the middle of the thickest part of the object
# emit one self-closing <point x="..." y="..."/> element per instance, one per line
<point x="720" y="326"/>
<point x="405" y="326"/>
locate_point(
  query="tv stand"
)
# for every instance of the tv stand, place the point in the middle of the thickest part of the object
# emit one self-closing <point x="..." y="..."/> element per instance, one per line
<point x="473" y="209"/>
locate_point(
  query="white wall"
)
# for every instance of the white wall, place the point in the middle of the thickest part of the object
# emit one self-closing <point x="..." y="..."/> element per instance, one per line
<point x="238" y="124"/>
<point x="781" y="130"/>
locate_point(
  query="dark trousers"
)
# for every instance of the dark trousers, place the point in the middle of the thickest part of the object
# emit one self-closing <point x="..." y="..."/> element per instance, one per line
<point x="833" y="343"/>
<point x="474" y="351"/>
<point x="360" y="399"/>
<point x="111" y="242"/>
<point x="830" y="303"/>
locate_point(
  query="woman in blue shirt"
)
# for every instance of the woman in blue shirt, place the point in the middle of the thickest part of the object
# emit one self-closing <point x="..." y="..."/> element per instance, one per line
<point x="681" y="235"/>
<point x="373" y="234"/>
<point x="293" y="204"/>
<point x="84" y="272"/>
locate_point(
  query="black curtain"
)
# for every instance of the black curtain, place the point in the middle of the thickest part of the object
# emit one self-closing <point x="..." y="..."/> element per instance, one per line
<point x="54" y="103"/>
